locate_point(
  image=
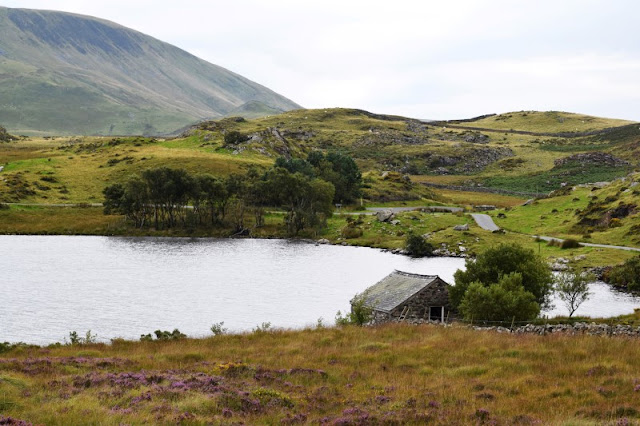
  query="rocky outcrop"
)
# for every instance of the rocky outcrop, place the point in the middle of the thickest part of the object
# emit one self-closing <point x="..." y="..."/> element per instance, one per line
<point x="476" y="137"/>
<point x="6" y="137"/>
<point x="592" y="159"/>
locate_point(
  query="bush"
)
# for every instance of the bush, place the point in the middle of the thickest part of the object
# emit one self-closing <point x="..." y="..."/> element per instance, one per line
<point x="163" y="335"/>
<point x="234" y="137"/>
<point x="626" y="275"/>
<point x="360" y="314"/>
<point x="217" y="328"/>
<point x="569" y="244"/>
<point x="504" y="301"/>
<point x="417" y="246"/>
<point x="504" y="259"/>
<point x="351" y="231"/>
<point x="75" y="339"/>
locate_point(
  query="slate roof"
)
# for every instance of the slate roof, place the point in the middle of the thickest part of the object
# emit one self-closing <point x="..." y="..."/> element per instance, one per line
<point x="394" y="289"/>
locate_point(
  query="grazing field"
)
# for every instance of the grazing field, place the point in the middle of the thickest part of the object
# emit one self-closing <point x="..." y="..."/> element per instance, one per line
<point x="394" y="374"/>
<point x="546" y="122"/>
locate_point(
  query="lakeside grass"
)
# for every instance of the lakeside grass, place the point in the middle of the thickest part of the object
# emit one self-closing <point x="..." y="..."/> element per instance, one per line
<point x="392" y="374"/>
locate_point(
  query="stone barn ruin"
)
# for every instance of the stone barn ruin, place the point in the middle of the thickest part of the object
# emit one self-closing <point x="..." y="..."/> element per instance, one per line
<point x="402" y="295"/>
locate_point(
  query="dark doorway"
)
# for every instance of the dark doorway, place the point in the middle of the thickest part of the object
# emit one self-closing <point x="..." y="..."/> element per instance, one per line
<point x="436" y="313"/>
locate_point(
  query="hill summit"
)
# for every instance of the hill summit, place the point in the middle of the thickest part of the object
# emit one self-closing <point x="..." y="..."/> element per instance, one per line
<point x="64" y="73"/>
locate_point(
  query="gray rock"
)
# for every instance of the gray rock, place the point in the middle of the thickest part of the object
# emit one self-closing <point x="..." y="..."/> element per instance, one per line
<point x="395" y="222"/>
<point x="385" y="215"/>
<point x="464" y="227"/>
<point x="324" y="241"/>
<point x="559" y="266"/>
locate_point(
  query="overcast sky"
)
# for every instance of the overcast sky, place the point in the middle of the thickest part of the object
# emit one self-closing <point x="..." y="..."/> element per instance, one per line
<point x="424" y="59"/>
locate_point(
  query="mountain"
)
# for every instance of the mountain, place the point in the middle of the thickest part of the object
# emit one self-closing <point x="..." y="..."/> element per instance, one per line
<point x="64" y="73"/>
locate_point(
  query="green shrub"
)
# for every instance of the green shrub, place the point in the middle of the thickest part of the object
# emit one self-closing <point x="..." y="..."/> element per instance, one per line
<point x="163" y="335"/>
<point x="626" y="275"/>
<point x="504" y="259"/>
<point x="351" y="231"/>
<point x="360" y="314"/>
<point x="217" y="328"/>
<point x="569" y="244"/>
<point x="234" y="137"/>
<point x="504" y="301"/>
<point x="416" y="246"/>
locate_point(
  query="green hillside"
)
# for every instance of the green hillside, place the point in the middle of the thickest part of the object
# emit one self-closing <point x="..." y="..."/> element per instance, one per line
<point x="544" y="122"/>
<point x="68" y="74"/>
<point x="380" y="144"/>
<point x="404" y="162"/>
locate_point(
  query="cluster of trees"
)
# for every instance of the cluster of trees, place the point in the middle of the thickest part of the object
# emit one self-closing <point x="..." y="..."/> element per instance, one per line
<point x="339" y="169"/>
<point x="509" y="282"/>
<point x="166" y="198"/>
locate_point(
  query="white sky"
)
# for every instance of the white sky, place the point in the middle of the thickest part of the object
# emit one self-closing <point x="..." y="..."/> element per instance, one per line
<point x="424" y="59"/>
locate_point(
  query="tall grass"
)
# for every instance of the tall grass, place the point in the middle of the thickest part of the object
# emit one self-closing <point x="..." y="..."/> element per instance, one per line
<point x="395" y="374"/>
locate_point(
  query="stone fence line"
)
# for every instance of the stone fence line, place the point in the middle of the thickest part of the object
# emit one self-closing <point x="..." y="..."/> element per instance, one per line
<point x="575" y="329"/>
<point x="485" y="190"/>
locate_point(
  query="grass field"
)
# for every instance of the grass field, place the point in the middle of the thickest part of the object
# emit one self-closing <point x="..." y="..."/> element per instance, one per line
<point x="546" y="122"/>
<point x="394" y="374"/>
<point x="560" y="216"/>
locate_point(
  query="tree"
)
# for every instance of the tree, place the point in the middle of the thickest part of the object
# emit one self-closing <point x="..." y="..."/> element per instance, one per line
<point x="491" y="265"/>
<point x="505" y="300"/>
<point x="214" y="196"/>
<point x="296" y="165"/>
<point x="307" y="202"/>
<point x="573" y="289"/>
<point x="342" y="172"/>
<point x="417" y="246"/>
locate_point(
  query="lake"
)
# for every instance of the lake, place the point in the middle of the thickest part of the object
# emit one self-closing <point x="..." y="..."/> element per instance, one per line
<point x="125" y="287"/>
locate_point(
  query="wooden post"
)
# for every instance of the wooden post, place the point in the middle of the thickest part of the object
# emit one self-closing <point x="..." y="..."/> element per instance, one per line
<point x="512" y="322"/>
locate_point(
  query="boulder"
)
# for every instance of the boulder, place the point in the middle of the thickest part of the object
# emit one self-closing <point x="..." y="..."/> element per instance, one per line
<point x="385" y="215"/>
<point x="324" y="241"/>
<point x="464" y="227"/>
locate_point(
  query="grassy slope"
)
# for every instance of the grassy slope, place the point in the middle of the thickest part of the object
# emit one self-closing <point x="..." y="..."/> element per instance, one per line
<point x="545" y="122"/>
<point x="560" y="216"/>
<point x="395" y="374"/>
<point x="75" y="170"/>
<point x="62" y="73"/>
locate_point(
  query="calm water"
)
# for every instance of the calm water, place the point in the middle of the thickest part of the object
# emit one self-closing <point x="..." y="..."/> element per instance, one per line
<point x="124" y="287"/>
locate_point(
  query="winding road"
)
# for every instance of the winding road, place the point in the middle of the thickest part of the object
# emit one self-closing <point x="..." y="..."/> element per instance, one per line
<point x="485" y="221"/>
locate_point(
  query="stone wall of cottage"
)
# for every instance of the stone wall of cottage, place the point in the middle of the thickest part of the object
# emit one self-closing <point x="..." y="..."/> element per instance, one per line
<point x="436" y="294"/>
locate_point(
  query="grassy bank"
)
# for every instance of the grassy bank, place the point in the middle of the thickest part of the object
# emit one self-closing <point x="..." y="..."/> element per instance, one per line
<point x="395" y="374"/>
<point x="34" y="220"/>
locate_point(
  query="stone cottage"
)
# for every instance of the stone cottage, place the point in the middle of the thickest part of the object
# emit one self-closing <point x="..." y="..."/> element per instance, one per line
<point x="402" y="295"/>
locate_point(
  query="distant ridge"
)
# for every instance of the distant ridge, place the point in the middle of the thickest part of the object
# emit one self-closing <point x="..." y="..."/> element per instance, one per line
<point x="62" y="73"/>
